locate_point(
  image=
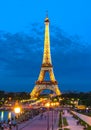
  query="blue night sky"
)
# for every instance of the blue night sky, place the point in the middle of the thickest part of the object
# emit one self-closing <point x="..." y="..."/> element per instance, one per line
<point x="22" y="39"/>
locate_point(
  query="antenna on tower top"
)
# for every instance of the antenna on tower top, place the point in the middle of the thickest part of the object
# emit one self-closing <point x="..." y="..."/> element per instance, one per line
<point x="47" y="13"/>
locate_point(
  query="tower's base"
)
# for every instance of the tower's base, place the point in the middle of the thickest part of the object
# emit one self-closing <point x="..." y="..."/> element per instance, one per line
<point x="39" y="88"/>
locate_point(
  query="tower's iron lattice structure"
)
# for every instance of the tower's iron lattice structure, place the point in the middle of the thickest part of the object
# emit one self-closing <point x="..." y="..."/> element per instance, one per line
<point x="46" y="67"/>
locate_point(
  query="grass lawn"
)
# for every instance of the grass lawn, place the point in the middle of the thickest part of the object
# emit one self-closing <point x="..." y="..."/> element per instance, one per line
<point x="65" y="121"/>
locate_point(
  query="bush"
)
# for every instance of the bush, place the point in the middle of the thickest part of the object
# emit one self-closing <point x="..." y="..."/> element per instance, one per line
<point x="89" y="128"/>
<point x="60" y="121"/>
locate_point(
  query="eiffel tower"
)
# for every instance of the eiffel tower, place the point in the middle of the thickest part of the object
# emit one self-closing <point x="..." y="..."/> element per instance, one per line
<point x="46" y="67"/>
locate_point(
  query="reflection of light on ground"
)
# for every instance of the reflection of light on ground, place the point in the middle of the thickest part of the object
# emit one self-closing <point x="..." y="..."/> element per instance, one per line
<point x="2" y="115"/>
<point x="9" y="115"/>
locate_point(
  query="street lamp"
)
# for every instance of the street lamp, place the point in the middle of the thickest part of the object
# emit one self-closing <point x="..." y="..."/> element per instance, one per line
<point x="52" y="105"/>
<point x="47" y="105"/>
<point x="17" y="110"/>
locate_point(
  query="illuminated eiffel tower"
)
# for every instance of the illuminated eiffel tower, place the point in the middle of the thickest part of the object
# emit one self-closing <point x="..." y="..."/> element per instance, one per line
<point x="46" y="67"/>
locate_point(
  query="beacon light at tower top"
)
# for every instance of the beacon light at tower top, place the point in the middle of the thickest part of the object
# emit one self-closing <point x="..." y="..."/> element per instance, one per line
<point x="46" y="19"/>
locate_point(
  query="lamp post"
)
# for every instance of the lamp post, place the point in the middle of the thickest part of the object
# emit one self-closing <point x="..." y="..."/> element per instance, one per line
<point x="52" y="105"/>
<point x="48" y="105"/>
<point x="17" y="110"/>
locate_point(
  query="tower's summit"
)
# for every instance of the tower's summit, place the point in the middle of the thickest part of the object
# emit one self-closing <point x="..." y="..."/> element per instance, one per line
<point x="47" y="20"/>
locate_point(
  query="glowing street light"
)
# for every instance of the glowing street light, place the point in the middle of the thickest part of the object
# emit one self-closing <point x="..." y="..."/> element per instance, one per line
<point x="17" y="110"/>
<point x="47" y="105"/>
<point x="57" y="103"/>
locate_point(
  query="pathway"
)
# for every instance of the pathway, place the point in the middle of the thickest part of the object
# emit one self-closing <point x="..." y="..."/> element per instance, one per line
<point x="40" y="123"/>
<point x="72" y="122"/>
<point x="85" y="118"/>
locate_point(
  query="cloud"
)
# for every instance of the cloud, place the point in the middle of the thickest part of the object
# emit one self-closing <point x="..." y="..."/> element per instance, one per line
<point x="21" y="56"/>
